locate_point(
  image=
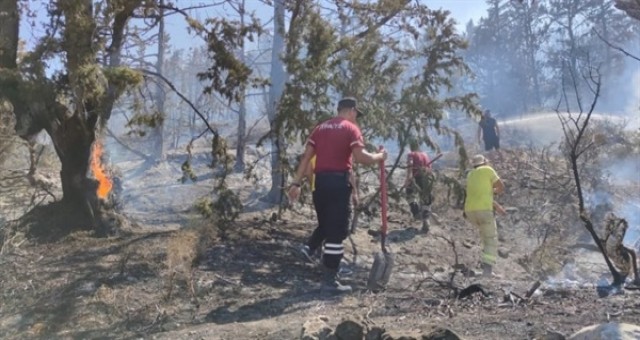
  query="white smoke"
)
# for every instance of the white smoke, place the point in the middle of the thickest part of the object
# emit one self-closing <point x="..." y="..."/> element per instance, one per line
<point x="633" y="105"/>
<point x="631" y="212"/>
<point x="544" y="128"/>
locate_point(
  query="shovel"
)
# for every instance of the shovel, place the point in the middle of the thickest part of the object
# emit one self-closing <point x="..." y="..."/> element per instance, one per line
<point x="383" y="261"/>
<point x="354" y="226"/>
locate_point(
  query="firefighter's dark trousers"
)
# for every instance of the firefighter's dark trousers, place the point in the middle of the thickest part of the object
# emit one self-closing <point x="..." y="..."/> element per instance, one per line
<point x="331" y="200"/>
<point x="421" y="187"/>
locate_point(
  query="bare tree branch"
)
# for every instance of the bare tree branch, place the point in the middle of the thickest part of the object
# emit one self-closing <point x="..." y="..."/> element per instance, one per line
<point x="124" y="145"/>
<point x="617" y="48"/>
<point x="185" y="9"/>
<point x="185" y="99"/>
<point x="573" y="138"/>
<point x="375" y="26"/>
<point x="575" y="89"/>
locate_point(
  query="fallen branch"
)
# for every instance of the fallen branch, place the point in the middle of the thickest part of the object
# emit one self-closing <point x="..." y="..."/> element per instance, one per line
<point x="532" y="290"/>
<point x="448" y="284"/>
<point x="442" y="284"/>
<point x="456" y="264"/>
<point x="223" y="279"/>
<point x="472" y="289"/>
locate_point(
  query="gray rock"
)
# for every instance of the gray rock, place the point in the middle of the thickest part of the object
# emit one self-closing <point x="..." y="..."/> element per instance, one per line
<point x="608" y="331"/>
<point x="399" y="335"/>
<point x="542" y="333"/>
<point x="440" y="333"/>
<point x="553" y="335"/>
<point x="11" y="321"/>
<point x="375" y="333"/>
<point x="350" y="330"/>
<point x="316" y="329"/>
<point x="436" y="333"/>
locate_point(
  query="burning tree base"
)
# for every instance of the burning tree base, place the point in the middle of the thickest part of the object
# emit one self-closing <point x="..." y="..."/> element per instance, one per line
<point x="90" y="203"/>
<point x="53" y="222"/>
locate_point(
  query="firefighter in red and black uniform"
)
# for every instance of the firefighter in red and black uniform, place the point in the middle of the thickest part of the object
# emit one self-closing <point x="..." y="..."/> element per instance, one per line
<point x="419" y="182"/>
<point x="333" y="142"/>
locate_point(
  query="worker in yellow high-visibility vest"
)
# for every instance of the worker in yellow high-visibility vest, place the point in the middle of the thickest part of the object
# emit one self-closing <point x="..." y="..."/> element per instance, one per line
<point x="482" y="183"/>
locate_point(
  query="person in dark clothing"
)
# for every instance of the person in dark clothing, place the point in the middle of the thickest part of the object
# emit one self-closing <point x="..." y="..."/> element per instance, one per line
<point x="489" y="131"/>
<point x="310" y="251"/>
<point x="333" y="142"/>
<point x="419" y="182"/>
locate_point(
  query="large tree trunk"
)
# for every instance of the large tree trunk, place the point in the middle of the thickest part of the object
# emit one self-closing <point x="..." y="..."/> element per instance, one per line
<point x="75" y="135"/>
<point x="9" y="38"/>
<point x="73" y="144"/>
<point x="532" y="50"/>
<point x="242" y="131"/>
<point x="9" y="33"/>
<point x="157" y="135"/>
<point x="72" y="126"/>
<point x="242" y="113"/>
<point x="278" y="78"/>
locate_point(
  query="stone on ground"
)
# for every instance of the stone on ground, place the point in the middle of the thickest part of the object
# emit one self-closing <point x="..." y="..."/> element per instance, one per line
<point x="608" y="331"/>
<point x="437" y="333"/>
<point x="316" y="329"/>
<point x="350" y="329"/>
<point x="440" y="333"/>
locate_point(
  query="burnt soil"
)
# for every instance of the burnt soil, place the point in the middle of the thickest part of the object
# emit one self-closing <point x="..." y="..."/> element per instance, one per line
<point x="248" y="280"/>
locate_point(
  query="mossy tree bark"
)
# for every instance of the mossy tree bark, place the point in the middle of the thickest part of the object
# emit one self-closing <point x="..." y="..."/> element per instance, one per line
<point x="9" y="30"/>
<point x="89" y="92"/>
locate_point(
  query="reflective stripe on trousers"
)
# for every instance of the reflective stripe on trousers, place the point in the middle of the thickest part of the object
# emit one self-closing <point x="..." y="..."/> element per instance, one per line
<point x="331" y="200"/>
<point x="333" y="249"/>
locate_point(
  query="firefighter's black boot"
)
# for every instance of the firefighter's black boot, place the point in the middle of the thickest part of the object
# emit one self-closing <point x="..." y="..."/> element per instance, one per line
<point x="415" y="210"/>
<point x="426" y="212"/>
<point x="330" y="283"/>
<point x="425" y="226"/>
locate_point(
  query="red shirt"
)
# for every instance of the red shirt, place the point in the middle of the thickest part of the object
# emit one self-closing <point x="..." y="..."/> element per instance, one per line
<point x="418" y="160"/>
<point x="333" y="141"/>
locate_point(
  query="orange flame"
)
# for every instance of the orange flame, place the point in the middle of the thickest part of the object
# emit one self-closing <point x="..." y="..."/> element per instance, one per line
<point x="104" y="183"/>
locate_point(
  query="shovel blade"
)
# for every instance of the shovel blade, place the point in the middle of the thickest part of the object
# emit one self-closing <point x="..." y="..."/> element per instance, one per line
<point x="380" y="271"/>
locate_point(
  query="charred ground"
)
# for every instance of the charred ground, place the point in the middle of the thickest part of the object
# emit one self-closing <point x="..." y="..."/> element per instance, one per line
<point x="176" y="275"/>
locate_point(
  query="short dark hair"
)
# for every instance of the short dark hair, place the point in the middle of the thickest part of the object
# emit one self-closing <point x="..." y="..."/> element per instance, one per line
<point x="349" y="103"/>
<point x="414" y="145"/>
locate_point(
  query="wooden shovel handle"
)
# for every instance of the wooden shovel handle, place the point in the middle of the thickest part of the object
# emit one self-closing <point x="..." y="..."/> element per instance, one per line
<point x="435" y="159"/>
<point x="383" y="203"/>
